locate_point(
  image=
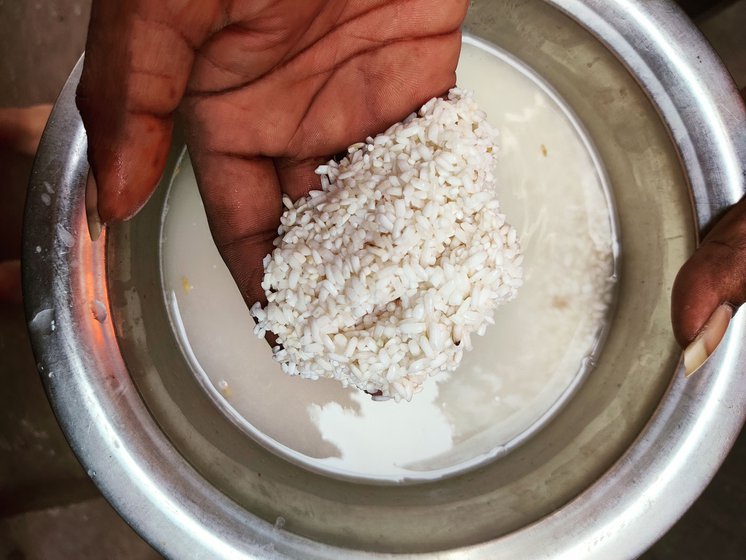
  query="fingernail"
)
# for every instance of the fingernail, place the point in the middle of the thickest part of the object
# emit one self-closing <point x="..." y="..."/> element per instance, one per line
<point x="708" y="339"/>
<point x="91" y="208"/>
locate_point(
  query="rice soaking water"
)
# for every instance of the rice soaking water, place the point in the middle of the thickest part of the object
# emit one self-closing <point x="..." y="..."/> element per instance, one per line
<point x="518" y="374"/>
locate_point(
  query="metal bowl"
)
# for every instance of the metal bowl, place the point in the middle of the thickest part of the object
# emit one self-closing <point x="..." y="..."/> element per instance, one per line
<point x="612" y="471"/>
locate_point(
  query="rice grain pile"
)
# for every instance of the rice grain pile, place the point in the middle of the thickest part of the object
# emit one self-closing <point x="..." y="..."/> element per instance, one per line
<point x="380" y="279"/>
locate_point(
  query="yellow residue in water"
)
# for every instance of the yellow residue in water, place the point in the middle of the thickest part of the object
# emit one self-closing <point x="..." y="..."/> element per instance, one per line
<point x="225" y="389"/>
<point x="560" y="302"/>
<point x="185" y="284"/>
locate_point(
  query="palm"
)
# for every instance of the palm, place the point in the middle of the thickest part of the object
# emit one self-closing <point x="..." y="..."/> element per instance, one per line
<point x="331" y="79"/>
<point x="259" y="126"/>
<point x="270" y="89"/>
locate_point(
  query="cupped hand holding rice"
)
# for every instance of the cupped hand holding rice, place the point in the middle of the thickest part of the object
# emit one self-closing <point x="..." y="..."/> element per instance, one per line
<point x="380" y="278"/>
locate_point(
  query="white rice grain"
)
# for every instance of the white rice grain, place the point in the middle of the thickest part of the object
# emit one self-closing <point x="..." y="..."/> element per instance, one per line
<point x="379" y="279"/>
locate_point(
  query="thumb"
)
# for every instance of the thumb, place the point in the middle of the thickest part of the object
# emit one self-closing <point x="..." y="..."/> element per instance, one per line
<point x="137" y="63"/>
<point x="715" y="274"/>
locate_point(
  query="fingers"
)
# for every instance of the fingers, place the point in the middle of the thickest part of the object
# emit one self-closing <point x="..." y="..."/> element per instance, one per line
<point x="715" y="274"/>
<point x="138" y="59"/>
<point x="243" y="203"/>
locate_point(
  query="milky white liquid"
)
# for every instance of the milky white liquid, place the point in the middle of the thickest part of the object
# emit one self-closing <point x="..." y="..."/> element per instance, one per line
<point x="517" y="375"/>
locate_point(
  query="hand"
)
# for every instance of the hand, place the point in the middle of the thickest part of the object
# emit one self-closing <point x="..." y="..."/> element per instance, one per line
<point x="710" y="286"/>
<point x="715" y="274"/>
<point x="268" y="89"/>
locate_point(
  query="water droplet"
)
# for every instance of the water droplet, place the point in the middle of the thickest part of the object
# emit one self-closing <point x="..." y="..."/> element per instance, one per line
<point x="99" y="310"/>
<point x="65" y="236"/>
<point x="43" y="322"/>
<point x="91" y="473"/>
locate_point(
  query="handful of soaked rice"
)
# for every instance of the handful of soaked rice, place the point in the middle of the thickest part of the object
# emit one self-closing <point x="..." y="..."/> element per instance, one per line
<point x="380" y="279"/>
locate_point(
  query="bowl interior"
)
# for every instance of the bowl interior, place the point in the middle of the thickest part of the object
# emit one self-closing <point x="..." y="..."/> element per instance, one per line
<point x="583" y="440"/>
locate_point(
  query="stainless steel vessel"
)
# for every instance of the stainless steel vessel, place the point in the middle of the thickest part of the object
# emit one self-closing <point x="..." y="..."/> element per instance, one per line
<point x="610" y="474"/>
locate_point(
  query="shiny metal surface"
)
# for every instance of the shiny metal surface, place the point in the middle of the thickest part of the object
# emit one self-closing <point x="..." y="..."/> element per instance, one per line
<point x="689" y="85"/>
<point x="144" y="465"/>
